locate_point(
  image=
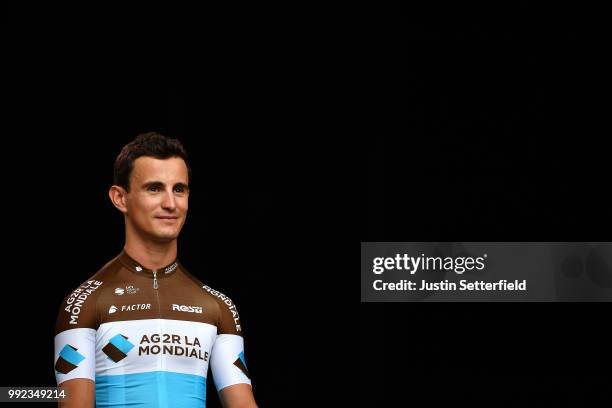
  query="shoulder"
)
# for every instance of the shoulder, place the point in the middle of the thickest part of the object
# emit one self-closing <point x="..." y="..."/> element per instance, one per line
<point x="209" y="292"/>
<point x="225" y="308"/>
<point x="94" y="282"/>
<point x="229" y="320"/>
<point x="78" y="308"/>
<point x="222" y="299"/>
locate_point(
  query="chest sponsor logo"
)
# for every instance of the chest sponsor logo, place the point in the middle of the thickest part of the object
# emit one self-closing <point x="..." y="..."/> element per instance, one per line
<point x="172" y="344"/>
<point x="129" y="308"/>
<point x="189" y="309"/>
<point x="77" y="299"/>
<point x="118" y="347"/>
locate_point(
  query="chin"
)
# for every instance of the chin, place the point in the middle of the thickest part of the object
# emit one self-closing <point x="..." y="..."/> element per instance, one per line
<point x="165" y="236"/>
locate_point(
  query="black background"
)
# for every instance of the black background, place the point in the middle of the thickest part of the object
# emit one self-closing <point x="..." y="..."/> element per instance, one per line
<point x="489" y="132"/>
<point x="469" y="132"/>
<point x="246" y="101"/>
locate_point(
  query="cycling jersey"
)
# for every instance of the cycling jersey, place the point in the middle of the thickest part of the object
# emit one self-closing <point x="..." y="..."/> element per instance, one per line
<point x="146" y="337"/>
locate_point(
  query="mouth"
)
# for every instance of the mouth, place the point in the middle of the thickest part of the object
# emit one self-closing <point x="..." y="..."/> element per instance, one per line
<point x="167" y="218"/>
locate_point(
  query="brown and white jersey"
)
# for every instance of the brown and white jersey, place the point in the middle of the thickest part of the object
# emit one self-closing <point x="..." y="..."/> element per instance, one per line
<point x="147" y="337"/>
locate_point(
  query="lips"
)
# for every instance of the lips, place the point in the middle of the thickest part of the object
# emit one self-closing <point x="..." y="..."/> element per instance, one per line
<point x="167" y="218"/>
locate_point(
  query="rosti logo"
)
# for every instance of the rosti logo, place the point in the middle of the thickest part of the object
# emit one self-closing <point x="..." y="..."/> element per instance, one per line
<point x="112" y="309"/>
<point x="190" y="309"/>
<point x="119" y="291"/>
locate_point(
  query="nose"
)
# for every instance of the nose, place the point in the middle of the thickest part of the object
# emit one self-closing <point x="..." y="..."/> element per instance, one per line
<point x="168" y="202"/>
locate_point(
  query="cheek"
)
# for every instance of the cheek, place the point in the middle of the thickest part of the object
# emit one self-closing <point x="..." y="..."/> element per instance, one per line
<point x="142" y="208"/>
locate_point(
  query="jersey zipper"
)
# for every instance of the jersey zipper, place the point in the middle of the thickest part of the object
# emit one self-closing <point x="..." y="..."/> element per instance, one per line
<point x="156" y="290"/>
<point x="161" y="364"/>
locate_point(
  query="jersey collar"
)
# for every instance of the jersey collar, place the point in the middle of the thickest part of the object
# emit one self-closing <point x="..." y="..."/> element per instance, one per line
<point x="136" y="267"/>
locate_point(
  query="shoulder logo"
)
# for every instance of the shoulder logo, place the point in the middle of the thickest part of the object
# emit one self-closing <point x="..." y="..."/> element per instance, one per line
<point x="69" y="358"/>
<point x="77" y="299"/>
<point x="231" y="306"/>
<point x="241" y="364"/>
<point x="119" y="291"/>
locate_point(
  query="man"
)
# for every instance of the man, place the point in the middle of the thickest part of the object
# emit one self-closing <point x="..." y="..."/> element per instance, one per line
<point x="142" y="331"/>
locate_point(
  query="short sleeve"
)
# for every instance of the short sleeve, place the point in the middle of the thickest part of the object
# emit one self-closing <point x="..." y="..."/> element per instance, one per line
<point x="75" y="334"/>
<point x="227" y="361"/>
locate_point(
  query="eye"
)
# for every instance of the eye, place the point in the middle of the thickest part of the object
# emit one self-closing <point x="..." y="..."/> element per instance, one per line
<point x="179" y="189"/>
<point x="153" y="188"/>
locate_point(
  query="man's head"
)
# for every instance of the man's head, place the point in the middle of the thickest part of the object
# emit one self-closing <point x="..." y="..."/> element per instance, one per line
<point x="151" y="186"/>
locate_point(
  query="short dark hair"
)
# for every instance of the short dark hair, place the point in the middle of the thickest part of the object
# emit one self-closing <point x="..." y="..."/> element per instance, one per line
<point x="150" y="144"/>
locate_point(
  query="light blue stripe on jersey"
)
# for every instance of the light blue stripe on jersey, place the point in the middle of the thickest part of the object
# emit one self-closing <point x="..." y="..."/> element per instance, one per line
<point x="155" y="389"/>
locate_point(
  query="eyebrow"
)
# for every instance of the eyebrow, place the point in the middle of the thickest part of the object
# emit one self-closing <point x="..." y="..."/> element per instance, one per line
<point x="155" y="183"/>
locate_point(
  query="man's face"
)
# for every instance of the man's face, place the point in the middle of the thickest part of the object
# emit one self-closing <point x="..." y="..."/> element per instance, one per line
<point x="158" y="198"/>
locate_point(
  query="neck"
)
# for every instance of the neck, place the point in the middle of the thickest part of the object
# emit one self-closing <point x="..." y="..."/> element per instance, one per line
<point x="150" y="254"/>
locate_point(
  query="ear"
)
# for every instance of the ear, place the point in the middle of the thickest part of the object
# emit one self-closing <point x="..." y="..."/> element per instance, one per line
<point x="118" y="197"/>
